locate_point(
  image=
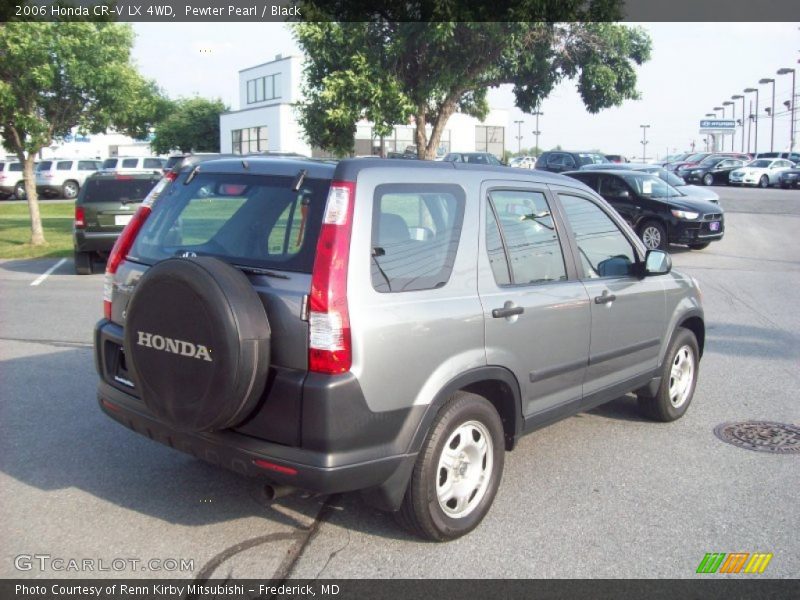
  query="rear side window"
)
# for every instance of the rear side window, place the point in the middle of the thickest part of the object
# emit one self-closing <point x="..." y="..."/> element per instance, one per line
<point x="122" y="190"/>
<point x="415" y="233"/>
<point x="249" y="220"/>
<point x="44" y="165"/>
<point x="110" y="163"/>
<point x="87" y="165"/>
<point x="153" y="163"/>
<point x="15" y="167"/>
<point x="130" y="163"/>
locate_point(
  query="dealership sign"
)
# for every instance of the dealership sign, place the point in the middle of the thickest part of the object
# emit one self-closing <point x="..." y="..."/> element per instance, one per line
<point x="717" y="125"/>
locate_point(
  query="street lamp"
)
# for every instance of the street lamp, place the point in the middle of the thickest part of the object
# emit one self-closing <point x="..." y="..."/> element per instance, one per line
<point x="644" y="140"/>
<point x="537" y="114"/>
<point x="771" y="112"/>
<point x="737" y="97"/>
<point x="755" y="144"/>
<point x="722" y="108"/>
<point x="786" y="71"/>
<point x="733" y="107"/>
<point x="519" y="136"/>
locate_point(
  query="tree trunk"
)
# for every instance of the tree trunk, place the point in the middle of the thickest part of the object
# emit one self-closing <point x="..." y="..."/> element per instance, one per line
<point x="37" y="233"/>
<point x="445" y="112"/>
<point x="420" y="138"/>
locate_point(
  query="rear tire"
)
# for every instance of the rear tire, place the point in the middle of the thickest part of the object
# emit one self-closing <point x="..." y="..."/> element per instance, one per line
<point x="70" y="190"/>
<point x="19" y="191"/>
<point x="763" y="182"/>
<point x="83" y="263"/>
<point x="678" y="380"/>
<point x="654" y="235"/>
<point x="457" y="472"/>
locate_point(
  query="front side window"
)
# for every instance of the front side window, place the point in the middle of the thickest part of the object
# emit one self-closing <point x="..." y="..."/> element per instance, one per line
<point x="528" y="237"/>
<point x="603" y="248"/>
<point x="44" y="166"/>
<point x="153" y="163"/>
<point x="130" y="163"/>
<point x="64" y="165"/>
<point x="415" y="233"/>
<point x="87" y="165"/>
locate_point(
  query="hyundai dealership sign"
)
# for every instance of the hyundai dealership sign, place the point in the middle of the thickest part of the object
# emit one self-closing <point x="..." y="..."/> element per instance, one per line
<point x="717" y="125"/>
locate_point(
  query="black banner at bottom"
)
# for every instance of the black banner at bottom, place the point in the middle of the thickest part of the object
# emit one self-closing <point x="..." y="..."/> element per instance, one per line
<point x="368" y="589"/>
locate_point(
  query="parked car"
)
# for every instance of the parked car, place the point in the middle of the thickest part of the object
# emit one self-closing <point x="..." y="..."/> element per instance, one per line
<point x="792" y="156"/>
<point x="559" y="161"/>
<point x="790" y="178"/>
<point x="477" y="158"/>
<point x="11" y="180"/>
<point x="63" y="177"/>
<point x="692" y="191"/>
<point x="659" y="213"/>
<point x="715" y="170"/>
<point x="671" y="158"/>
<point x="762" y="172"/>
<point x="135" y="163"/>
<point x="616" y="158"/>
<point x="105" y="205"/>
<point x="684" y="166"/>
<point x="294" y="320"/>
<point x="523" y="162"/>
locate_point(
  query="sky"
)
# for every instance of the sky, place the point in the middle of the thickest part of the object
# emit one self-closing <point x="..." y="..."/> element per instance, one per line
<point x="694" y="67"/>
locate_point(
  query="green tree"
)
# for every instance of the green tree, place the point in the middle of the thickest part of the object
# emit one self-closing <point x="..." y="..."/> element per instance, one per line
<point x="58" y="76"/>
<point x="192" y="125"/>
<point x="391" y="68"/>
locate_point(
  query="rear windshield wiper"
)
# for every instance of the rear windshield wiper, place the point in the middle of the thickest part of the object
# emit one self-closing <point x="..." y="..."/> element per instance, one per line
<point x="259" y="271"/>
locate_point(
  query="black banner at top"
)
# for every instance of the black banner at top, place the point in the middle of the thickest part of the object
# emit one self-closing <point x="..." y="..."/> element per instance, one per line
<point x="399" y="10"/>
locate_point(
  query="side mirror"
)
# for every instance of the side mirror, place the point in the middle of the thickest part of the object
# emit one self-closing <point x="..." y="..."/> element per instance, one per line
<point x="657" y="262"/>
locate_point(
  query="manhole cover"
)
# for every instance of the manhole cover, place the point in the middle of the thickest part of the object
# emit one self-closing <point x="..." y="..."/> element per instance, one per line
<point x="761" y="436"/>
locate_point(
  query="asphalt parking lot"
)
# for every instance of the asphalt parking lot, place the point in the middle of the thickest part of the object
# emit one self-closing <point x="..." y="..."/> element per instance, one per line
<point x="603" y="494"/>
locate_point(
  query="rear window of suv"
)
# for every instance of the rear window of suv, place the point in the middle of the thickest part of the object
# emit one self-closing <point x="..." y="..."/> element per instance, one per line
<point x="119" y="189"/>
<point x="248" y="220"/>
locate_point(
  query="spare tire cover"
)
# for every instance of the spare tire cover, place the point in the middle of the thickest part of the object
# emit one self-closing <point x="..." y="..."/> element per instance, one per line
<point x="197" y="343"/>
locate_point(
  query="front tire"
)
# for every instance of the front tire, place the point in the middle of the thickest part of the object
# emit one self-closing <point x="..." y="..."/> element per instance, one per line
<point x="708" y="179"/>
<point x="457" y="472"/>
<point x="19" y="191"/>
<point x="763" y="182"/>
<point x="678" y="380"/>
<point x="654" y="235"/>
<point x="70" y="190"/>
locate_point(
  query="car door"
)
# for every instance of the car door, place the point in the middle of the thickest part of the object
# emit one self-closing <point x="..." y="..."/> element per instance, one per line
<point x="628" y="313"/>
<point x="775" y="170"/>
<point x="536" y="311"/>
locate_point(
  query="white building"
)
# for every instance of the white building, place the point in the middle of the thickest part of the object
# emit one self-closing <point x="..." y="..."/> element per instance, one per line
<point x="266" y="120"/>
<point x="101" y="145"/>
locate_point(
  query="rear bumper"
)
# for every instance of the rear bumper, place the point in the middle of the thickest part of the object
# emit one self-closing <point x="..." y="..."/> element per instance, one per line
<point x="94" y="241"/>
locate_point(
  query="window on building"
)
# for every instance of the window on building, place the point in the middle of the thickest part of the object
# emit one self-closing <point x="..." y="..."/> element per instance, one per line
<point x="265" y="88"/>
<point x="490" y="139"/>
<point x="250" y="139"/>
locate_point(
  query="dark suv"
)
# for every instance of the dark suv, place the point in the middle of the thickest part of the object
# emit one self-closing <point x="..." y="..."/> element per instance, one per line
<point x="560" y="161"/>
<point x="658" y="212"/>
<point x="106" y="203"/>
<point x="385" y="326"/>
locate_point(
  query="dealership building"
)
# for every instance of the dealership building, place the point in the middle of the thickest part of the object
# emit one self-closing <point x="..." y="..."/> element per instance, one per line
<point x="267" y="120"/>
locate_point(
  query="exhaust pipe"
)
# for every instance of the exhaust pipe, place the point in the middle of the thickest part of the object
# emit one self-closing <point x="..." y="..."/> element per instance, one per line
<point x="273" y="492"/>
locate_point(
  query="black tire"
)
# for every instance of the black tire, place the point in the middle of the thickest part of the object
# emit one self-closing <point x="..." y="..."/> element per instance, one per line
<point x="702" y="246"/>
<point x="654" y="235"/>
<point x="83" y="263"/>
<point x="763" y="182"/>
<point x="19" y="191"/>
<point x="662" y="407"/>
<point x="70" y="190"/>
<point x="197" y="342"/>
<point x="708" y="179"/>
<point x="421" y="512"/>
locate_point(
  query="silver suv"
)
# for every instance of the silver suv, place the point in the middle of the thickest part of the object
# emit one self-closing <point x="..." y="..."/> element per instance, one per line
<point x="386" y="326"/>
<point x="63" y="177"/>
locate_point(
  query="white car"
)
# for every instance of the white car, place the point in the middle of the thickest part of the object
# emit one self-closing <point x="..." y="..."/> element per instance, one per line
<point x="523" y="162"/>
<point x="762" y="172"/>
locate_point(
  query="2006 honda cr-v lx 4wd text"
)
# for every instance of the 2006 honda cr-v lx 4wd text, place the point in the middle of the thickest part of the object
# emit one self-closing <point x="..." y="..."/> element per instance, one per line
<point x="392" y="327"/>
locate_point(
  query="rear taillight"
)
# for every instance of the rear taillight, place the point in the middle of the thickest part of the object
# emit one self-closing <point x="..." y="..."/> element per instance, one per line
<point x="80" y="221"/>
<point x="121" y="248"/>
<point x="330" y="349"/>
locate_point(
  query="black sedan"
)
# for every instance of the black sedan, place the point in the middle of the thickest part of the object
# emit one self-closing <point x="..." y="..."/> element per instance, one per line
<point x="715" y="170"/>
<point x="659" y="213"/>
<point x="790" y="178"/>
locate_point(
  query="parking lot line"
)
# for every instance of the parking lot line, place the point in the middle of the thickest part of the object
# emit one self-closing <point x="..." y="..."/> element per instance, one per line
<point x="47" y="273"/>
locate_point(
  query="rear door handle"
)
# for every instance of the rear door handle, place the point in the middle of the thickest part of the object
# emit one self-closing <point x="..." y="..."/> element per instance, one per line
<point x="604" y="298"/>
<point x="507" y="311"/>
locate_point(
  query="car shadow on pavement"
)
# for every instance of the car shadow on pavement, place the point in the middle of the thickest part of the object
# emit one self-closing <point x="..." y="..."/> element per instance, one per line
<point x="55" y="438"/>
<point x="624" y="408"/>
<point x="37" y="266"/>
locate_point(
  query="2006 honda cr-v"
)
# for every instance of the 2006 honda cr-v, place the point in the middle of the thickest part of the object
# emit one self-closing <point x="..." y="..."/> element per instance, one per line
<point x="386" y="326"/>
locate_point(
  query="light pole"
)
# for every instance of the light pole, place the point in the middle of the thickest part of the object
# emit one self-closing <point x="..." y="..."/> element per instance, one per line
<point x="537" y="114"/>
<point x="644" y="140"/>
<point x="755" y="141"/>
<point x="714" y="136"/>
<point x="786" y="71"/>
<point x="519" y="136"/>
<point x="771" y="112"/>
<point x="733" y="108"/>
<point x="737" y="97"/>
<point x="750" y="127"/>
